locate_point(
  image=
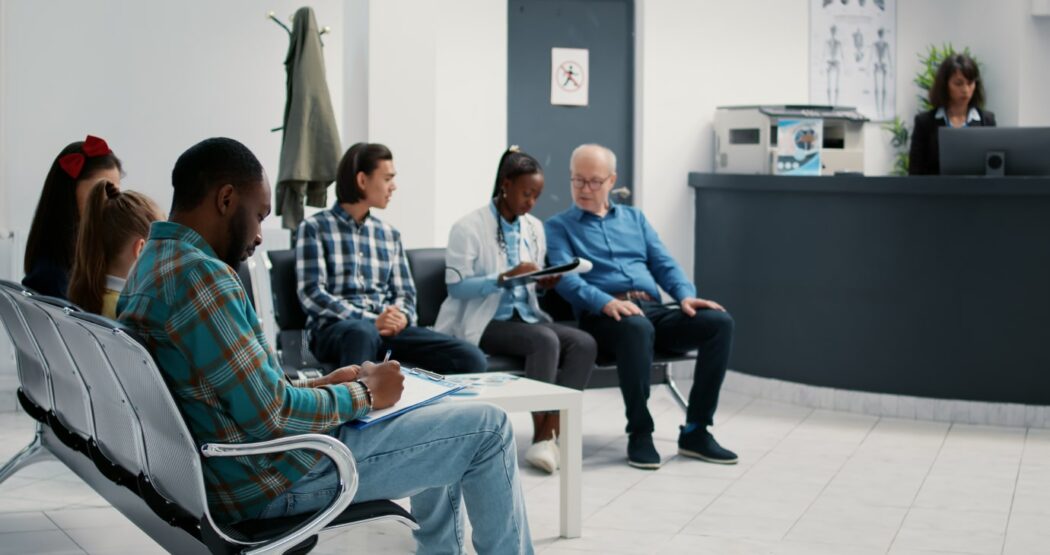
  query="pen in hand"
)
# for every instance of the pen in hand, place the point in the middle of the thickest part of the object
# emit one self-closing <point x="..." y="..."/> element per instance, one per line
<point x="387" y="357"/>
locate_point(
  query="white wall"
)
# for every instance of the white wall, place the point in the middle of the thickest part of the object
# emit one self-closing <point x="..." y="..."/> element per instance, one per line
<point x="437" y="98"/>
<point x="755" y="51"/>
<point x="429" y="80"/>
<point x="401" y="109"/>
<point x="1035" y="74"/>
<point x="718" y="53"/>
<point x="993" y="29"/>
<point x="355" y="72"/>
<point x="4" y="204"/>
<point x="152" y="78"/>
<point x="471" y="105"/>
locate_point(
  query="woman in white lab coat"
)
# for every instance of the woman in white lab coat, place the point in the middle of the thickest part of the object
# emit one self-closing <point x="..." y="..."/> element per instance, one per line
<point x="496" y="242"/>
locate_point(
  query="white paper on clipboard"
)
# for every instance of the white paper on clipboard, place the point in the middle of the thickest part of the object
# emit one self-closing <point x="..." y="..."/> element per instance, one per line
<point x="421" y="389"/>
<point x="574" y="266"/>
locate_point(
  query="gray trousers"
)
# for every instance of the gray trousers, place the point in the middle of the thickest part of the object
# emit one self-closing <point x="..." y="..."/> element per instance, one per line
<point x="554" y="353"/>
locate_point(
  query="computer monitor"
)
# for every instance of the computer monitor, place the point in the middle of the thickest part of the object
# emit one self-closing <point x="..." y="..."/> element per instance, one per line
<point x="995" y="151"/>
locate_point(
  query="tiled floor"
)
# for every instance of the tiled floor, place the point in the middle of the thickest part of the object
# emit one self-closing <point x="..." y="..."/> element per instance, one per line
<point x="809" y="482"/>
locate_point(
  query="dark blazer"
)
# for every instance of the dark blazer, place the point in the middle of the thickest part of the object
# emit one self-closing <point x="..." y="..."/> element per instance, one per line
<point x="925" y="158"/>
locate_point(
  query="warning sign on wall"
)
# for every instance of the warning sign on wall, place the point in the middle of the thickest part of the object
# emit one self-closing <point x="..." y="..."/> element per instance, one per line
<point x="569" y="76"/>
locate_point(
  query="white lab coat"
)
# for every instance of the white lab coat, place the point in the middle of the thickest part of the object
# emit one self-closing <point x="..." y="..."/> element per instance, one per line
<point x="473" y="250"/>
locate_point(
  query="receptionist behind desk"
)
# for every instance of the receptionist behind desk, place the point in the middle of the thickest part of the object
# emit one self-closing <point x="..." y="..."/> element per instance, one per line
<point x="957" y="95"/>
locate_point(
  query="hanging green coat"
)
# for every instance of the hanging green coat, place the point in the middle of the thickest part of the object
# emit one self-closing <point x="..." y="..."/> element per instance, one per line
<point x="310" y="149"/>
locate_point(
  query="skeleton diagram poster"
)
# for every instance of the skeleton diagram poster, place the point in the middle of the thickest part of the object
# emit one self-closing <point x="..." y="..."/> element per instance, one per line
<point x="853" y="55"/>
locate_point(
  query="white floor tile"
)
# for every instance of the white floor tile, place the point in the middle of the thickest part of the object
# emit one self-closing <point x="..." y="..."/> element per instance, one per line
<point x="664" y="512"/>
<point x="613" y="540"/>
<point x="25" y="522"/>
<point x="46" y="542"/>
<point x="686" y="544"/>
<point x="1027" y="533"/>
<point x="753" y="527"/>
<point x="809" y="481"/>
<point x="848" y="524"/>
<point x="116" y="540"/>
<point x="947" y="530"/>
<point x="71" y="519"/>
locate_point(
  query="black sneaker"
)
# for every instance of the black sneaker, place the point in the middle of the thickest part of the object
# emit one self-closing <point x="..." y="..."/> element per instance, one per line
<point x="700" y="444"/>
<point x="641" y="453"/>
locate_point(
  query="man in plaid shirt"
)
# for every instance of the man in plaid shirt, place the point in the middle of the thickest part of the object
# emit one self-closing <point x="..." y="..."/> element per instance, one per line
<point x="184" y="298"/>
<point x="354" y="281"/>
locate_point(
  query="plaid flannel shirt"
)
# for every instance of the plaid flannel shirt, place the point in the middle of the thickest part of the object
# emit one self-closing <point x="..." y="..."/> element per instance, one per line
<point x="194" y="315"/>
<point x="347" y="270"/>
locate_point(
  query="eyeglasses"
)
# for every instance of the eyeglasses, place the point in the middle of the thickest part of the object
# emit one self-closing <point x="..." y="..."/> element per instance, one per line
<point x="592" y="184"/>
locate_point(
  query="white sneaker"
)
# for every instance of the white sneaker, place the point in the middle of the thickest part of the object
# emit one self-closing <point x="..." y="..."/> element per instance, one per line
<point x="543" y="455"/>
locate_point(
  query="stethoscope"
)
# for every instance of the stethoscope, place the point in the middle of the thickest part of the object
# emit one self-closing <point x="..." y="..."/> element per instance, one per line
<point x="528" y="247"/>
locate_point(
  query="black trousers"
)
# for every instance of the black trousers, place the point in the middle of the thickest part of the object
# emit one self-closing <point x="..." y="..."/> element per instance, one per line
<point x="355" y="341"/>
<point x="632" y="341"/>
<point x="554" y="353"/>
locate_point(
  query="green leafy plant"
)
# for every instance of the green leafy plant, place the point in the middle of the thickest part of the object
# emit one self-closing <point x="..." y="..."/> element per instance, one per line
<point x="930" y="61"/>
<point x="899" y="141"/>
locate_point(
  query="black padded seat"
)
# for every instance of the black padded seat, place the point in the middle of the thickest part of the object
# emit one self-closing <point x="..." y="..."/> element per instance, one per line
<point x="264" y="529"/>
<point x="291" y="320"/>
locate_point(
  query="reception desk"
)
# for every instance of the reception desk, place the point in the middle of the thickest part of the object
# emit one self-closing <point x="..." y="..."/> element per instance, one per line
<point x="924" y="286"/>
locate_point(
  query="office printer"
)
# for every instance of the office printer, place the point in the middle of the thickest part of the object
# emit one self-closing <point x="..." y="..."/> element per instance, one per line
<point x="746" y="137"/>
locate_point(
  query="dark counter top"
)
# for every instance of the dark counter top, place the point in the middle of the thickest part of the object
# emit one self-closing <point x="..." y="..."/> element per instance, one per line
<point x="909" y="185"/>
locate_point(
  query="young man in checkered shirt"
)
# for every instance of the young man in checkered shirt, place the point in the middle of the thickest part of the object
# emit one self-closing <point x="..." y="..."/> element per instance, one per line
<point x="354" y="281"/>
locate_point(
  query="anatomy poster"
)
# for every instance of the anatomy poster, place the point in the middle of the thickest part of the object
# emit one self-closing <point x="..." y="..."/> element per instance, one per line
<point x="853" y="55"/>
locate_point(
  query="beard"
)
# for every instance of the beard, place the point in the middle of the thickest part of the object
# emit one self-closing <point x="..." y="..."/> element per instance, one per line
<point x="237" y="245"/>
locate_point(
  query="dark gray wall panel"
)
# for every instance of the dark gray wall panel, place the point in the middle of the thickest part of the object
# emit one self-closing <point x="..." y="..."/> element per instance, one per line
<point x="606" y="28"/>
<point x="934" y="286"/>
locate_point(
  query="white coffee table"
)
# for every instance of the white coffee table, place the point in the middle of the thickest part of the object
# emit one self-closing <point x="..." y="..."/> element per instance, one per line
<point x="525" y="395"/>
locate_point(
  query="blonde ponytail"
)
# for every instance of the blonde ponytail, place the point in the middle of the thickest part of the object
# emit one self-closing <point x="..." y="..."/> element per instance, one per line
<point x="110" y="221"/>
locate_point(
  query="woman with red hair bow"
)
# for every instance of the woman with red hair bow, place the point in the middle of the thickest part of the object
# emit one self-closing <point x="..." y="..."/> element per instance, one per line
<point x="53" y="235"/>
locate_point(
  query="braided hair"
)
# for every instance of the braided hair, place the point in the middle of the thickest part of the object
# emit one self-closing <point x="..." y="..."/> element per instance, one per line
<point x="512" y="164"/>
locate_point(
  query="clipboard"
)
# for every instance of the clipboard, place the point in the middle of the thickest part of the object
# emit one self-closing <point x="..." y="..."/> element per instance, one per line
<point x="576" y="265"/>
<point x="422" y="388"/>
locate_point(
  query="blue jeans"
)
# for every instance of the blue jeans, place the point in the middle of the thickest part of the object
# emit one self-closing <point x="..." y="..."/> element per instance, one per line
<point x="442" y="456"/>
<point x="355" y="341"/>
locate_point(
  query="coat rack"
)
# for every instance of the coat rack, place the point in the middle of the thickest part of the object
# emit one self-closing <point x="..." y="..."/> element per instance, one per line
<point x="272" y="16"/>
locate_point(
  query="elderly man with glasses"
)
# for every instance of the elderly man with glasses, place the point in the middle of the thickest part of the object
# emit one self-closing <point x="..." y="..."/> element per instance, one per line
<point x="619" y="303"/>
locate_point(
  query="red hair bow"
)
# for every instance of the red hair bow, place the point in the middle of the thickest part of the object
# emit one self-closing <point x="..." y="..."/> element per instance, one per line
<point x="94" y="146"/>
<point x="73" y="163"/>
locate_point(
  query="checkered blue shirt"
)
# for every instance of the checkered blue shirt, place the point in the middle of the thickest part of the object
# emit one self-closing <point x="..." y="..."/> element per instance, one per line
<point x="347" y="270"/>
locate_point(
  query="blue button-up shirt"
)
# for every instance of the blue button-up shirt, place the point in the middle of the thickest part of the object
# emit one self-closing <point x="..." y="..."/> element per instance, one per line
<point x="626" y="252"/>
<point x="516" y="297"/>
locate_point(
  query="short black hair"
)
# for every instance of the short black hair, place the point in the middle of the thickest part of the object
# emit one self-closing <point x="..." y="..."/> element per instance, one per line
<point x="939" y="95"/>
<point x="362" y="157"/>
<point x="209" y="164"/>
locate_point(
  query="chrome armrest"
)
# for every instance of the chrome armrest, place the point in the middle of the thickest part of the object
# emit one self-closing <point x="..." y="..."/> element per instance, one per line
<point x="345" y="466"/>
